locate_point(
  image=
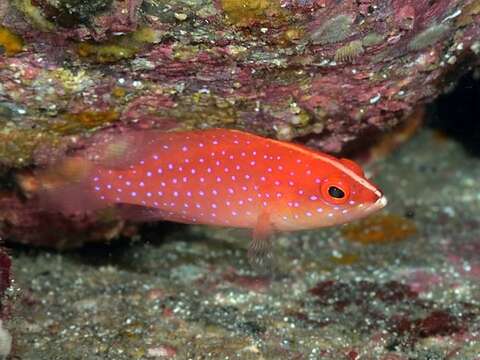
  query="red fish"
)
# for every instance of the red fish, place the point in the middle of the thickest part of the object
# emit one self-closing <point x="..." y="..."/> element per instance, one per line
<point x="222" y="177"/>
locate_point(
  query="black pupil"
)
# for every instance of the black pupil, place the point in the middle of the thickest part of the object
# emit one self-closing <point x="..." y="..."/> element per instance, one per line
<point x="335" y="192"/>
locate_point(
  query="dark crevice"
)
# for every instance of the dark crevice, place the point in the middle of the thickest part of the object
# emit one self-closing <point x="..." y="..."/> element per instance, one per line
<point x="457" y="114"/>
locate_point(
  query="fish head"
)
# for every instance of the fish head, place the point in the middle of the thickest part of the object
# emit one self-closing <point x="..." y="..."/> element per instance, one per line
<point x="337" y="193"/>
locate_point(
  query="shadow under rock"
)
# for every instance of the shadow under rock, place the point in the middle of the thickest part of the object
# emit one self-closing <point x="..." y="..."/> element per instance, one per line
<point x="115" y="252"/>
<point x="110" y="252"/>
<point x="457" y="114"/>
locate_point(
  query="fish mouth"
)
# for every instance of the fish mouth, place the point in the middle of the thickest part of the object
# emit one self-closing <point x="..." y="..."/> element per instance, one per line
<point x="363" y="211"/>
<point x="381" y="202"/>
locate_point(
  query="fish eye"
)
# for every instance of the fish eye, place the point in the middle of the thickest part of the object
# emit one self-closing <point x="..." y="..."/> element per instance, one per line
<point x="336" y="192"/>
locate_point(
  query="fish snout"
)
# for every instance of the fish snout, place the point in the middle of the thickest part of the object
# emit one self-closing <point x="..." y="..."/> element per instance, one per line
<point x="381" y="201"/>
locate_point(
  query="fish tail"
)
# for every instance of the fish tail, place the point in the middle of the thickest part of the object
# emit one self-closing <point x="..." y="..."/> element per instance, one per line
<point x="65" y="187"/>
<point x="68" y="186"/>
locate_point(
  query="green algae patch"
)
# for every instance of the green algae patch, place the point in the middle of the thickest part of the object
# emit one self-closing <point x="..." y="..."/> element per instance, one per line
<point x="33" y="14"/>
<point x="334" y="30"/>
<point x="428" y="37"/>
<point x="10" y="42"/>
<point x="121" y="48"/>
<point x="373" y="39"/>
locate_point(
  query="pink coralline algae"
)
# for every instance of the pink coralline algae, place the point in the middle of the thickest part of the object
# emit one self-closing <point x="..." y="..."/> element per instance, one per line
<point x="325" y="73"/>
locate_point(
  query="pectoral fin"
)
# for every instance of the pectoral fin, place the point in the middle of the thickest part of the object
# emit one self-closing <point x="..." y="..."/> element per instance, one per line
<point x="260" y="251"/>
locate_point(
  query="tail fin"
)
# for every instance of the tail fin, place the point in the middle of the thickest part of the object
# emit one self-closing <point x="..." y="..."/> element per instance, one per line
<point x="67" y="186"/>
<point x="64" y="187"/>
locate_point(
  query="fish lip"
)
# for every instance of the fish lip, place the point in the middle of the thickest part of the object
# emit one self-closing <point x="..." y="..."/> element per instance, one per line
<point x="381" y="202"/>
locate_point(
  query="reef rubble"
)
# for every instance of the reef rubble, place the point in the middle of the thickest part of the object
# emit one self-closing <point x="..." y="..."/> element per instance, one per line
<point x="333" y="75"/>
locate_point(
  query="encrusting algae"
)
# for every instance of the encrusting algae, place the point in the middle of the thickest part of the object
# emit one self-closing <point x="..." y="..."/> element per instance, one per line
<point x="333" y="30"/>
<point x="380" y="229"/>
<point x="468" y="14"/>
<point x="120" y="48"/>
<point x="75" y="123"/>
<point x="245" y="12"/>
<point x="10" y="42"/>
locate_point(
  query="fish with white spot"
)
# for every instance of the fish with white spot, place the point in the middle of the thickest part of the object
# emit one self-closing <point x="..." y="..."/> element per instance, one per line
<point x="228" y="178"/>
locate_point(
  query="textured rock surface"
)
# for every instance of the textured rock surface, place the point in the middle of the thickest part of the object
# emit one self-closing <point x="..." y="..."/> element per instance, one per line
<point x="326" y="73"/>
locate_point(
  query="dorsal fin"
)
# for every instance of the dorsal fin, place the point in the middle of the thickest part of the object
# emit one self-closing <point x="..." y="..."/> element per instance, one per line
<point x="118" y="151"/>
<point x="352" y="165"/>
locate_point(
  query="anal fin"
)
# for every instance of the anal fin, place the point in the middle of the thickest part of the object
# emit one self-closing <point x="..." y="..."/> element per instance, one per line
<point x="260" y="251"/>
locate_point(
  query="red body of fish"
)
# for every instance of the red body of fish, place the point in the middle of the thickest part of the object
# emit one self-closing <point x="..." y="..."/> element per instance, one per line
<point x="228" y="178"/>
